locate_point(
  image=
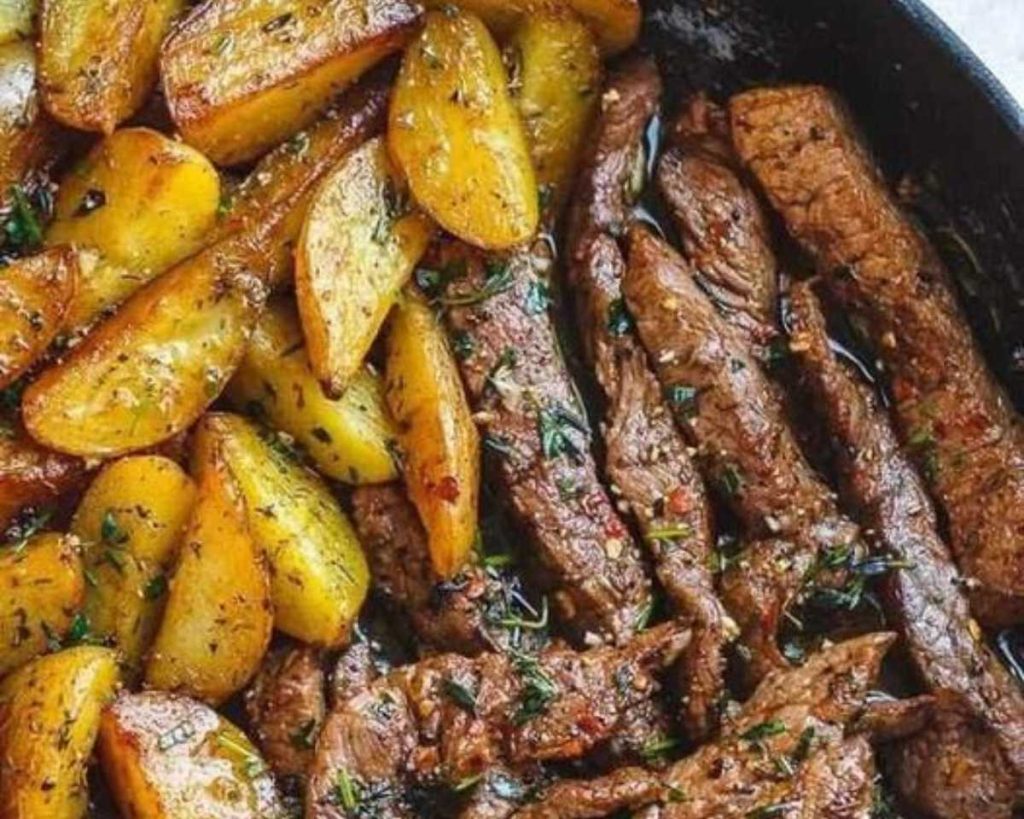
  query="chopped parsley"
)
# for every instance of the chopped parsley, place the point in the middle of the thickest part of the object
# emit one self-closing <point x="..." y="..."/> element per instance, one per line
<point x="538" y="689"/>
<point x="620" y="321"/>
<point x="683" y="399"/>
<point x="156" y="588"/>
<point x="463" y="345"/>
<point x="111" y="532"/>
<point x="538" y="297"/>
<point x="497" y="279"/>
<point x="555" y="425"/>
<point x="180" y="733"/>
<point x="304" y="737"/>
<point x="461" y="694"/>
<point x="764" y="730"/>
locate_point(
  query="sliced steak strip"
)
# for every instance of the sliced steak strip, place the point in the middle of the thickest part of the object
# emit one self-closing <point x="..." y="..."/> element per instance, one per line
<point x="723" y="228"/>
<point x="646" y="461"/>
<point x="538" y="442"/>
<point x="878" y="481"/>
<point x="451" y="718"/>
<point x="956" y="419"/>
<point x="726" y="404"/>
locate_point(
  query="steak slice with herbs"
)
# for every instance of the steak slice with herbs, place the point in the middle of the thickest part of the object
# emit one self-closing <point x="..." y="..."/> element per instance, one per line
<point x="646" y="458"/>
<point x="792" y="528"/>
<point x="952" y="414"/>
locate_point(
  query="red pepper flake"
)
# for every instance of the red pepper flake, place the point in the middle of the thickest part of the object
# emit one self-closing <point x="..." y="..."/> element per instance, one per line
<point x="615" y="528"/>
<point x="448" y="488"/>
<point x="901" y="389"/>
<point x="680" y="502"/>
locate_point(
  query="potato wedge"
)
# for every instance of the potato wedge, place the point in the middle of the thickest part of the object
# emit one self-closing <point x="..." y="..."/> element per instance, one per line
<point x="28" y="137"/>
<point x="243" y="75"/>
<point x="319" y="577"/>
<point x="457" y="138"/>
<point x="166" y="756"/>
<point x="41" y="588"/>
<point x="130" y="522"/>
<point x="149" y="371"/>
<point x="99" y="60"/>
<point x="32" y="476"/>
<point x="556" y="86"/>
<point x="359" y="245"/>
<point x="350" y="439"/>
<point x="289" y="175"/>
<point x="16" y="20"/>
<point x="49" y="718"/>
<point x="218" y="619"/>
<point x="35" y="295"/>
<point x="436" y="431"/>
<point x="144" y="202"/>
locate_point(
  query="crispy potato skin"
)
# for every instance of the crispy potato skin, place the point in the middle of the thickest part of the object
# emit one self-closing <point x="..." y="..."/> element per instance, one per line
<point x="148" y="372"/>
<point x="166" y="756"/>
<point x="99" y="60"/>
<point x="28" y="137"/>
<point x="358" y="248"/>
<point x="130" y="522"/>
<point x="457" y="137"/>
<point x="289" y="175"/>
<point x="41" y="587"/>
<point x="35" y="295"/>
<point x="31" y="475"/>
<point x="242" y="75"/>
<point x="436" y="431"/>
<point x="141" y="200"/>
<point x="557" y="94"/>
<point x="49" y="718"/>
<point x="218" y="619"/>
<point x="16" y="20"/>
<point x="349" y="439"/>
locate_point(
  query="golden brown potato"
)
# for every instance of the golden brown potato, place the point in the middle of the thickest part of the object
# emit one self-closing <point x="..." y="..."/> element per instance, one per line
<point x="31" y="475"/>
<point x="49" y="718"/>
<point x="28" y="137"/>
<point x="319" y="576"/>
<point x="218" y="619"/>
<point x="148" y="372"/>
<point x="289" y="175"/>
<point x="130" y="522"/>
<point x="35" y="294"/>
<point x="350" y="439"/>
<point x="358" y="247"/>
<point x="99" y="60"/>
<point x="556" y="86"/>
<point x="457" y="138"/>
<point x="41" y="588"/>
<point x="242" y="75"/>
<point x="166" y="756"/>
<point x="16" y="20"/>
<point x="141" y="200"/>
<point x="436" y="430"/>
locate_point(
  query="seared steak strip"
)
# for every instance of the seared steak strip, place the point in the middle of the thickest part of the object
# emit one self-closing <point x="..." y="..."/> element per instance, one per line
<point x="647" y="462"/>
<point x="952" y="414"/>
<point x="924" y="597"/>
<point x="724" y="232"/>
<point x="538" y="443"/>
<point x="451" y="718"/>
<point x="728" y="407"/>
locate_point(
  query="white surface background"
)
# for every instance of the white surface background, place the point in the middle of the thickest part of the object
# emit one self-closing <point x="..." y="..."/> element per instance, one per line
<point x="994" y="29"/>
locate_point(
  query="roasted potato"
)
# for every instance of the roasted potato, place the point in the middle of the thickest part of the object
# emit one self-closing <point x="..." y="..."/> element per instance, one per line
<point x="28" y="137"/>
<point x="319" y="576"/>
<point x="218" y="619"/>
<point x="243" y="75"/>
<point x="359" y="245"/>
<point x="350" y="439"/>
<point x="130" y="522"/>
<point x="556" y="85"/>
<point x="436" y="430"/>
<point x="31" y="475"/>
<point x="456" y="136"/>
<point x="148" y="372"/>
<point x="99" y="60"/>
<point x="41" y="589"/>
<point x="35" y="295"/>
<point x="289" y="175"/>
<point x="141" y="200"/>
<point x="49" y="718"/>
<point x="166" y="756"/>
<point x="16" y="19"/>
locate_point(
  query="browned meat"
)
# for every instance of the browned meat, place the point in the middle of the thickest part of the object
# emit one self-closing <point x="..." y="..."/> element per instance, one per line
<point x="353" y="672"/>
<point x="646" y="461"/>
<point x="733" y="415"/>
<point x="624" y="789"/>
<point x="924" y="596"/>
<point x="499" y="794"/>
<point x="539" y="444"/>
<point x="723" y="228"/>
<point x="286" y="704"/>
<point x="451" y="718"/>
<point x="953" y="416"/>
